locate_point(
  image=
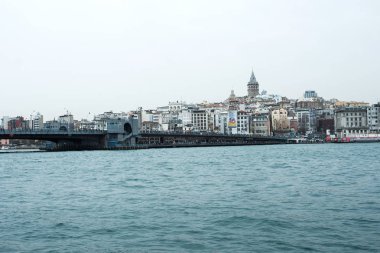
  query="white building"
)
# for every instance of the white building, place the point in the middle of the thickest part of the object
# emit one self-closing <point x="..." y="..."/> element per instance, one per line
<point x="66" y="121"/>
<point x="187" y="119"/>
<point x="307" y="121"/>
<point x="222" y="122"/>
<point x="101" y="119"/>
<point x="36" y="121"/>
<point x="199" y="120"/>
<point x="4" y="122"/>
<point x="373" y="114"/>
<point x="351" y="121"/>
<point x="243" y="122"/>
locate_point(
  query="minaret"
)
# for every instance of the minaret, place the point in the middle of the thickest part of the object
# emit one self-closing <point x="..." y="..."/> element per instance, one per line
<point x="253" y="86"/>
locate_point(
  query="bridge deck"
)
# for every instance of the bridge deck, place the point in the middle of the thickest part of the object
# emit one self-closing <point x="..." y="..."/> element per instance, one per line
<point x="92" y="139"/>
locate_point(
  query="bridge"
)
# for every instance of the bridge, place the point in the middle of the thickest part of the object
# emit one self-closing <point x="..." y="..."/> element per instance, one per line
<point x="63" y="140"/>
<point x="126" y="137"/>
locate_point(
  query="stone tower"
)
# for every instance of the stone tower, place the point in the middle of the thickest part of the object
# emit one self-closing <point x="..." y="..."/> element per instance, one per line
<point x="253" y="86"/>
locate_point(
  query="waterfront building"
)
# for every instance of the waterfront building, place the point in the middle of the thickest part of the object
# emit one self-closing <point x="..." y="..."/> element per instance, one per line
<point x="373" y="115"/>
<point x="36" y="121"/>
<point x="200" y="120"/>
<point x="16" y="123"/>
<point x="4" y="122"/>
<point x="307" y="121"/>
<point x="325" y="121"/>
<point x="211" y="118"/>
<point x="187" y="119"/>
<point x="149" y="116"/>
<point x="260" y="124"/>
<point x="325" y="125"/>
<point x="149" y="120"/>
<point x="101" y="119"/>
<point x="293" y="123"/>
<point x="214" y="110"/>
<point x="166" y="120"/>
<point x="243" y="125"/>
<point x="253" y="87"/>
<point x="351" y="121"/>
<point x="280" y="122"/>
<point x="222" y="122"/>
<point x="66" y="121"/>
<point x="215" y="120"/>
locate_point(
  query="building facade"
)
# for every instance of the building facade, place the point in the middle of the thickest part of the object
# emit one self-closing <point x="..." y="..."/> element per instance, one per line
<point x="373" y="114"/>
<point x="280" y="122"/>
<point x="351" y="121"/>
<point x="260" y="124"/>
<point x="243" y="122"/>
<point x="199" y="120"/>
<point x="307" y="121"/>
<point x="36" y="122"/>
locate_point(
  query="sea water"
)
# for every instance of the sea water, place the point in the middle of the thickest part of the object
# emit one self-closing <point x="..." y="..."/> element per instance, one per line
<point x="275" y="198"/>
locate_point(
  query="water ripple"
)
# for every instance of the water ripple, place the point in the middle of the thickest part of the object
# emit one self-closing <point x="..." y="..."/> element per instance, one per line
<point x="297" y="198"/>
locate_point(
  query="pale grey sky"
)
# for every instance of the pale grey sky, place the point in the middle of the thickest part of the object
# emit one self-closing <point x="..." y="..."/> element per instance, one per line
<point x="94" y="56"/>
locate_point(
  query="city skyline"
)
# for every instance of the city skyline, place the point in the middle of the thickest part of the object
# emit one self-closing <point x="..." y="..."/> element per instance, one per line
<point x="118" y="56"/>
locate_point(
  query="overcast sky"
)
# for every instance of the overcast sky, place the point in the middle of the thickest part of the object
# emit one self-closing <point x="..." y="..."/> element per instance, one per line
<point x="94" y="56"/>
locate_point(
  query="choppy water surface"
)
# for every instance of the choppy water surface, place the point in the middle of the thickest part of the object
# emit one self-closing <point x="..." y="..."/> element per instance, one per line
<point x="223" y="199"/>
